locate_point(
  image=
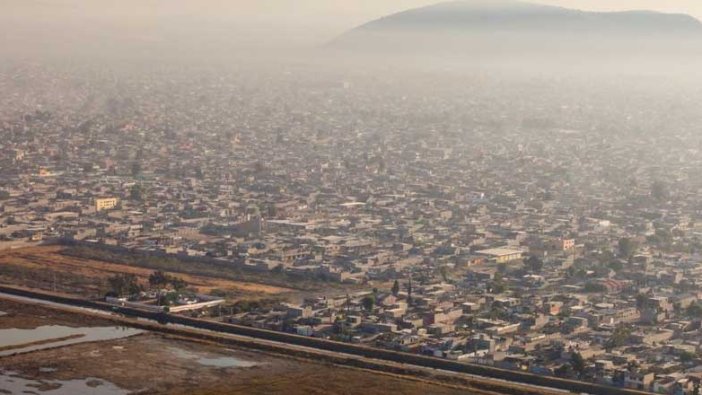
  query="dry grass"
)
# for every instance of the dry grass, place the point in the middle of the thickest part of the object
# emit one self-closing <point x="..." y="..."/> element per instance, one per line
<point x="36" y="259"/>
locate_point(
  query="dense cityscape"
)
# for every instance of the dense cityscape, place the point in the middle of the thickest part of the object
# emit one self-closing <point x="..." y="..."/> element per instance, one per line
<point x="536" y="224"/>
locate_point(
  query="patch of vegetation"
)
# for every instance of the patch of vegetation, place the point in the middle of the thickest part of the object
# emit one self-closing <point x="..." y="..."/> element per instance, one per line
<point x="592" y="287"/>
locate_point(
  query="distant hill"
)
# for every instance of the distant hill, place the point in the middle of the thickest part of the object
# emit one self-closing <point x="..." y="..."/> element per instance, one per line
<point x="514" y="26"/>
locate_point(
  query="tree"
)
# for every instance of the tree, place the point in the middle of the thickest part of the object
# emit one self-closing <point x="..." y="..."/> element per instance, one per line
<point x="661" y="239"/>
<point x="498" y="287"/>
<point x="443" y="271"/>
<point x="158" y="279"/>
<point x="395" y="288"/>
<point x="565" y="313"/>
<point x="619" y="337"/>
<point x="578" y="363"/>
<point x="498" y="313"/>
<point x="271" y="210"/>
<point x="534" y="264"/>
<point x="178" y="283"/>
<point x="161" y="279"/>
<point x="136" y="169"/>
<point x="368" y="302"/>
<point x="592" y="287"/>
<point x="502" y="268"/>
<point x="694" y="310"/>
<point x="687" y="356"/>
<point x="616" y="265"/>
<point x="381" y="164"/>
<point x="627" y="247"/>
<point x="136" y="192"/>
<point x="125" y="284"/>
<point x="564" y="371"/>
<point x="659" y="190"/>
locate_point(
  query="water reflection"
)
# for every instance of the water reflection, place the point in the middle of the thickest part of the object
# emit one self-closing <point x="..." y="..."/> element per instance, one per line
<point x="12" y="340"/>
<point x="11" y="384"/>
<point x="219" y="362"/>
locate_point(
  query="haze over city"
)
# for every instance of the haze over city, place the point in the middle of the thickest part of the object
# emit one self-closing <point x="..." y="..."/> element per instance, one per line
<point x="350" y="197"/>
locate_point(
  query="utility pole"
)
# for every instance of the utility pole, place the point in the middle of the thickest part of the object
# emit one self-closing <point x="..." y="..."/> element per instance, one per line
<point x="409" y="290"/>
<point x="348" y="305"/>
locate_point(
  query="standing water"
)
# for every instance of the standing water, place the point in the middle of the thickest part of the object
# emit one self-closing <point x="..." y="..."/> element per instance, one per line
<point x="12" y="384"/>
<point x="13" y="341"/>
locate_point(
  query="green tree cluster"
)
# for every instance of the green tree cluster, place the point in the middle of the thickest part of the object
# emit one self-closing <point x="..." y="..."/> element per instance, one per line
<point x="534" y="264"/>
<point x="626" y="247"/>
<point x="125" y="284"/>
<point x="160" y="279"/>
<point x="395" y="288"/>
<point x="619" y="337"/>
<point x="368" y="302"/>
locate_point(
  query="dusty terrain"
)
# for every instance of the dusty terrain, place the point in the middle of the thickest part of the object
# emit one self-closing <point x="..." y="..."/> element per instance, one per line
<point x="27" y="316"/>
<point x="46" y="268"/>
<point x="153" y="363"/>
<point x="147" y="364"/>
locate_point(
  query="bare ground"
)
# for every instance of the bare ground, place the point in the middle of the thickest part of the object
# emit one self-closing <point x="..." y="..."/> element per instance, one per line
<point x="152" y="363"/>
<point x="46" y="268"/>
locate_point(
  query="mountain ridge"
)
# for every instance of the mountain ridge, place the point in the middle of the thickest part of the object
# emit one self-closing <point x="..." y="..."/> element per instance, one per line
<point x="524" y="23"/>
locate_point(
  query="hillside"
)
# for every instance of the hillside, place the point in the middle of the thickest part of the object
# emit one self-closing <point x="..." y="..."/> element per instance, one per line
<point x="513" y="26"/>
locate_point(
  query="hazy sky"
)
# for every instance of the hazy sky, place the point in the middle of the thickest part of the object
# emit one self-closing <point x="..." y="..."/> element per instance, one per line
<point x="300" y="21"/>
<point x="365" y="9"/>
<point x="320" y="18"/>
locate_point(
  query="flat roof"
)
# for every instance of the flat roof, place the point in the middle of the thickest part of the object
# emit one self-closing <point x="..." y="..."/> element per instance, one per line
<point x="500" y="251"/>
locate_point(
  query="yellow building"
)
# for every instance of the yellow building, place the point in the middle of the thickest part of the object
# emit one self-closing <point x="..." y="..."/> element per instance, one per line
<point x="567" y="244"/>
<point x="502" y="255"/>
<point x="105" y="204"/>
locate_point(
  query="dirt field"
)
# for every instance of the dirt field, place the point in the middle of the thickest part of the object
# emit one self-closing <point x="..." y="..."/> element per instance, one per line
<point x="157" y="364"/>
<point x="147" y="364"/>
<point x="28" y="316"/>
<point x="46" y="268"/>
